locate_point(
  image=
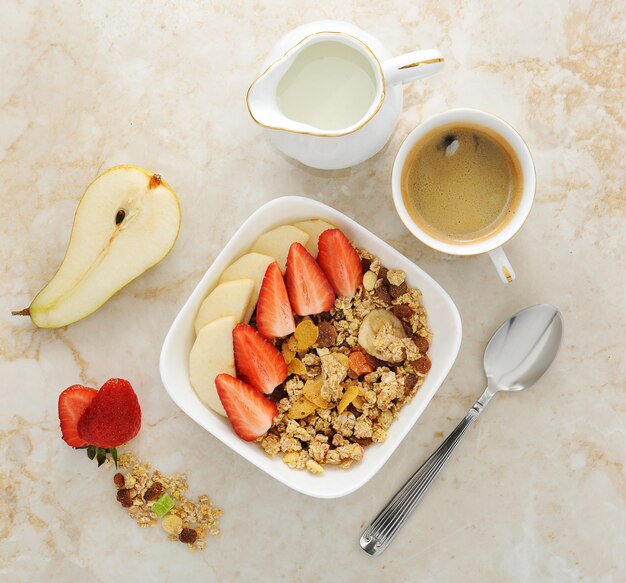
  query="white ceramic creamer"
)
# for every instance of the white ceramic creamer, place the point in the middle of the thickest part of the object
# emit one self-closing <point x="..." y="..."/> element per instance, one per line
<point x="330" y="94"/>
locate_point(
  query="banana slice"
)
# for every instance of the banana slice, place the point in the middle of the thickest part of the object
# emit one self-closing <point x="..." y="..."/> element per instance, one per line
<point x="371" y="325"/>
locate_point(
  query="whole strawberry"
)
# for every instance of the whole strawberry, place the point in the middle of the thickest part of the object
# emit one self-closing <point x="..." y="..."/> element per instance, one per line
<point x="113" y="417"/>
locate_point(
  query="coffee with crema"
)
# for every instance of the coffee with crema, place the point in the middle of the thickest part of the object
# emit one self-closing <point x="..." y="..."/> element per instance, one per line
<point x="461" y="183"/>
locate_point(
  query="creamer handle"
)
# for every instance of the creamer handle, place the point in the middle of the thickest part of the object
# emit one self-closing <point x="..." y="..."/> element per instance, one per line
<point x="412" y="66"/>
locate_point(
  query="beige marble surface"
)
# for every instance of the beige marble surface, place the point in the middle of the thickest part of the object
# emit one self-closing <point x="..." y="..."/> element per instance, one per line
<point x="538" y="490"/>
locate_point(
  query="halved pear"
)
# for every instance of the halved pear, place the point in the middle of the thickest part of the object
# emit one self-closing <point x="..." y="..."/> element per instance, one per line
<point x="313" y="228"/>
<point x="276" y="243"/>
<point x="126" y="221"/>
<point x="249" y="266"/>
<point x="231" y="298"/>
<point x="212" y="354"/>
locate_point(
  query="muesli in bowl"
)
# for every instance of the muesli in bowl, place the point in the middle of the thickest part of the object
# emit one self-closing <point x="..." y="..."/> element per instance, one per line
<point x="314" y="364"/>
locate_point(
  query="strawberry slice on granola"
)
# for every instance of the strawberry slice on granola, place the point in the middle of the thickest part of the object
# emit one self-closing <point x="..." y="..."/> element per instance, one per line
<point x="309" y="290"/>
<point x="340" y="262"/>
<point x="257" y="361"/>
<point x="274" y="318"/>
<point x="250" y="413"/>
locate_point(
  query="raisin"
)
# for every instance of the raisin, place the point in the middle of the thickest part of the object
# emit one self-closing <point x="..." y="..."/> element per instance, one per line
<point x="279" y="393"/>
<point x="153" y="492"/>
<point x="188" y="535"/>
<point x="325" y="317"/>
<point x="382" y="273"/>
<point x="422" y="344"/>
<point x="409" y="382"/>
<point x="119" y="480"/>
<point x="365" y="264"/>
<point x="398" y="290"/>
<point x="407" y="328"/>
<point x="382" y="292"/>
<point x="402" y="311"/>
<point x="327" y="335"/>
<point x="124" y="498"/>
<point x="422" y="365"/>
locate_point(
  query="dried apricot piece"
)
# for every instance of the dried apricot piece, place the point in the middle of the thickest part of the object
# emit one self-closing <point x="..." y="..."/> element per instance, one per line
<point x="297" y="367"/>
<point x="361" y="363"/>
<point x="301" y="408"/>
<point x="312" y="390"/>
<point x="349" y="396"/>
<point x="327" y="335"/>
<point x="306" y="334"/>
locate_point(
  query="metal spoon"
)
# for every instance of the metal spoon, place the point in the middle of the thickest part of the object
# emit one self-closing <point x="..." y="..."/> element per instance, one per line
<point x="516" y="357"/>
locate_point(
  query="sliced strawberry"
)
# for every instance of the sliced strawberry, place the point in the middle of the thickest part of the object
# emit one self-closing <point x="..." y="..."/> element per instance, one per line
<point x="309" y="290"/>
<point x="72" y="404"/>
<point x="250" y="413"/>
<point x="274" y="318"/>
<point x="340" y="262"/>
<point x="257" y="360"/>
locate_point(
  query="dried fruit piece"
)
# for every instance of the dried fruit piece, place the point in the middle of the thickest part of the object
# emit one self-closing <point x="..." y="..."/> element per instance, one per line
<point x="301" y="408"/>
<point x="188" y="535"/>
<point x="118" y="479"/>
<point x="395" y="291"/>
<point x="382" y="293"/>
<point x="402" y="311"/>
<point x="153" y="492"/>
<point x="409" y="382"/>
<point x="422" y="365"/>
<point x="361" y="363"/>
<point x="422" y="344"/>
<point x="296" y="367"/>
<point x="172" y="524"/>
<point x="124" y="497"/>
<point x="349" y="396"/>
<point x="327" y="335"/>
<point x="312" y="390"/>
<point x="365" y="264"/>
<point x="306" y="334"/>
<point x="163" y="505"/>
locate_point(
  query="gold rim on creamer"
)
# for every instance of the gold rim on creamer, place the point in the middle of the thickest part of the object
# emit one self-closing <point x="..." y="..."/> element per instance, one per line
<point x="381" y="97"/>
<point x="420" y="63"/>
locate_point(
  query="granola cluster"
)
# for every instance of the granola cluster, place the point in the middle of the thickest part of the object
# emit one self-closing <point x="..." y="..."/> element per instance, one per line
<point x="338" y="397"/>
<point x="139" y="489"/>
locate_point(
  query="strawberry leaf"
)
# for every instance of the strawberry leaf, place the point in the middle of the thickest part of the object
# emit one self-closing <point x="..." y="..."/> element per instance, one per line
<point x="101" y="456"/>
<point x="91" y="452"/>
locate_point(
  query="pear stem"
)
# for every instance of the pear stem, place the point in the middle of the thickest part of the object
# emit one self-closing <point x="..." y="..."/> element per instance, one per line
<point x="24" y="312"/>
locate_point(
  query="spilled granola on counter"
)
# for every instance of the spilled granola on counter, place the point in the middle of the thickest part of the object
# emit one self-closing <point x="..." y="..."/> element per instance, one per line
<point x="351" y="370"/>
<point x="149" y="495"/>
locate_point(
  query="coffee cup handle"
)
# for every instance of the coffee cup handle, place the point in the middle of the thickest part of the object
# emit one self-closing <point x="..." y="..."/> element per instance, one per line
<point x="502" y="264"/>
<point x="412" y="66"/>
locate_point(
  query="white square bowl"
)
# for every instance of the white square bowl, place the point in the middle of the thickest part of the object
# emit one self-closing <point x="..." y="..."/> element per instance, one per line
<point x="443" y="318"/>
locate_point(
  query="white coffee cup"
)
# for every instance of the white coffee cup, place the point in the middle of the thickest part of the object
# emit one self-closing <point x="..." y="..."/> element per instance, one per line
<point x="492" y="244"/>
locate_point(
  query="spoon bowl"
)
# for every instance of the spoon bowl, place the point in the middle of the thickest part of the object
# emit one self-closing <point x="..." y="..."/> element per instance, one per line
<point x="523" y="348"/>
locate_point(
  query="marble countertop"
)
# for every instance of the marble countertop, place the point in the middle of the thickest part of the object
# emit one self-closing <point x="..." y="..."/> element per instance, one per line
<point x="538" y="490"/>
